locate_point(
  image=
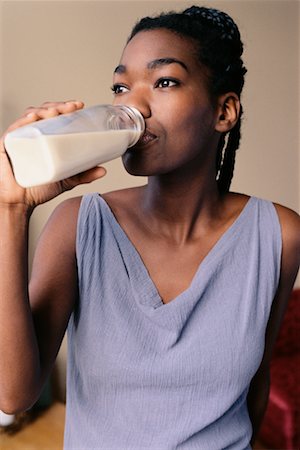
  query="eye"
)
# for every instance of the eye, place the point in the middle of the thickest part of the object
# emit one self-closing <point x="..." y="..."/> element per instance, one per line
<point x="166" y="83"/>
<point x="119" y="89"/>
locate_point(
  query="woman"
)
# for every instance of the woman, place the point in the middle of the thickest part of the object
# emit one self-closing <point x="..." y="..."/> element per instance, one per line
<point x="173" y="292"/>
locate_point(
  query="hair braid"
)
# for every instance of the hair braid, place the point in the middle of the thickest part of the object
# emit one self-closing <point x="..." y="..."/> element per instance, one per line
<point x="226" y="156"/>
<point x="227" y="165"/>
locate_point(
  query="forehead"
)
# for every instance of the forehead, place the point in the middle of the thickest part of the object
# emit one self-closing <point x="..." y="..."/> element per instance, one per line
<point x="154" y="44"/>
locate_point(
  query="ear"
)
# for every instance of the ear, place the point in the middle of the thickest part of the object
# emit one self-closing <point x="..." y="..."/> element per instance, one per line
<point x="228" y="112"/>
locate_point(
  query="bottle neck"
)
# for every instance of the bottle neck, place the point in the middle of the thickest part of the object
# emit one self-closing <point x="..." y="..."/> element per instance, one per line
<point x="137" y="121"/>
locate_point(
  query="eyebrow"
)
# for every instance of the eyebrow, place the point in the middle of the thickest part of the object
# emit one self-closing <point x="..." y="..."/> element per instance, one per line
<point x="152" y="65"/>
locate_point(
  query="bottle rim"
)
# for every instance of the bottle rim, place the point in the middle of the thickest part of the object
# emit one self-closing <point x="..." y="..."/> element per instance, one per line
<point x="138" y="120"/>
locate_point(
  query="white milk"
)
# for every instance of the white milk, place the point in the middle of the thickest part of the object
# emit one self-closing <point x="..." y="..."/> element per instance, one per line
<point x="49" y="158"/>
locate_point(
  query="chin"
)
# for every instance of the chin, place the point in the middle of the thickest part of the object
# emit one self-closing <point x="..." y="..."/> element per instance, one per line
<point x="143" y="165"/>
<point x="138" y="172"/>
<point x="136" y="166"/>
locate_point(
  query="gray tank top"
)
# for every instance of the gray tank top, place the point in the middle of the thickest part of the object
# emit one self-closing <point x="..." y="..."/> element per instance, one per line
<point x="147" y="375"/>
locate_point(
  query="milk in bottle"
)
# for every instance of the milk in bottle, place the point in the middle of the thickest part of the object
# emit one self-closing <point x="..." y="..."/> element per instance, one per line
<point x="53" y="149"/>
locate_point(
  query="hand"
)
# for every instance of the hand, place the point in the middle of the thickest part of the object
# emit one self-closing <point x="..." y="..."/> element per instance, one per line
<point x="13" y="193"/>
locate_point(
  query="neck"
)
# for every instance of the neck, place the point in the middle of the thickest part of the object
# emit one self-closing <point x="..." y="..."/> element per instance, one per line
<point x="179" y="208"/>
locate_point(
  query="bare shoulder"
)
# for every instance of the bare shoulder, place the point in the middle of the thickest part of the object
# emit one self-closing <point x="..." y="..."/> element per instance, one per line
<point x="290" y="225"/>
<point x="59" y="233"/>
<point x="68" y="208"/>
<point x="290" y="229"/>
<point x="54" y="264"/>
<point x="63" y="219"/>
<point x="53" y="287"/>
<point x="290" y="259"/>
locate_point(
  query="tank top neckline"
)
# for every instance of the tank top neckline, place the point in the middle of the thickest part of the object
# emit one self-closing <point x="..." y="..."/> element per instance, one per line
<point x="147" y="292"/>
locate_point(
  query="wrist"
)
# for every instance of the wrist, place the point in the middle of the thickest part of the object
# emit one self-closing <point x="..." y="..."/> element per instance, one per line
<point x="16" y="209"/>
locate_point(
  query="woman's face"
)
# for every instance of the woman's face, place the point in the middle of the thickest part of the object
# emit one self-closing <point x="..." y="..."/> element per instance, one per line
<point x="160" y="76"/>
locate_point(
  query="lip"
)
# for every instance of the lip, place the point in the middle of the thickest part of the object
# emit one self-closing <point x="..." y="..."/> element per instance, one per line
<point x="146" y="138"/>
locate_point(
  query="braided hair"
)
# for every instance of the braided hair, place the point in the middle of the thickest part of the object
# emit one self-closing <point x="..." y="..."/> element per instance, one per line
<point x="219" y="49"/>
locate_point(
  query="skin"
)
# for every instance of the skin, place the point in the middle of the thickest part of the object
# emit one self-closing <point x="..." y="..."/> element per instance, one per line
<point x="173" y="221"/>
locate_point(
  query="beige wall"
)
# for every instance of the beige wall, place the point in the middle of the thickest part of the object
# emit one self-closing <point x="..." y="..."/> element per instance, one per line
<point x="54" y="50"/>
<point x="67" y="49"/>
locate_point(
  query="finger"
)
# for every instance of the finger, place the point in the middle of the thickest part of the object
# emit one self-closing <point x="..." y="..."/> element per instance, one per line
<point x="31" y="117"/>
<point x="43" y="113"/>
<point x="33" y="114"/>
<point x="52" y="109"/>
<point x="76" y="103"/>
<point x="84" y="177"/>
<point x="63" y="107"/>
<point x="69" y="106"/>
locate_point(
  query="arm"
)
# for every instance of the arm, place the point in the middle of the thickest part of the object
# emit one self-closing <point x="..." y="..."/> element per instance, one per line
<point x="33" y="318"/>
<point x="259" y="388"/>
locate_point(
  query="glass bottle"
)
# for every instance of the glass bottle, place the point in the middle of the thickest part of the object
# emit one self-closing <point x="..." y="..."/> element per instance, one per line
<point x="53" y="149"/>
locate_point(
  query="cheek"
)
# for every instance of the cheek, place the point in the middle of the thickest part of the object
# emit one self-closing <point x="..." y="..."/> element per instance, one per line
<point x="191" y="126"/>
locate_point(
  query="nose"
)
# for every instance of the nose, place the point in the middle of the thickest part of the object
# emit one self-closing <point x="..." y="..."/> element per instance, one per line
<point x="142" y="107"/>
<point x="136" y="100"/>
